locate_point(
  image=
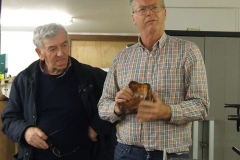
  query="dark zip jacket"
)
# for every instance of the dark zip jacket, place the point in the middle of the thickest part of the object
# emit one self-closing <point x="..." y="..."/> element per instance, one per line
<point x="20" y="112"/>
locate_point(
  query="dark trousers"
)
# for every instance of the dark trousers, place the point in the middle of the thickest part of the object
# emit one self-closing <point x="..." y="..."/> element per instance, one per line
<point x="129" y="152"/>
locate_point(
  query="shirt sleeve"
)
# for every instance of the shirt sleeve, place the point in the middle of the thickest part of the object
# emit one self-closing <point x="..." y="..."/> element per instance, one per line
<point x="196" y="103"/>
<point x="107" y="101"/>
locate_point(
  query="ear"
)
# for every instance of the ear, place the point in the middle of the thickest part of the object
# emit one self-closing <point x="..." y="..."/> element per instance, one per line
<point x="40" y="54"/>
<point x="133" y="19"/>
<point x="165" y="14"/>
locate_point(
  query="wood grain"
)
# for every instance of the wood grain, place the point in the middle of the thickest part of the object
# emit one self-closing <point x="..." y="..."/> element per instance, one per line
<point x="7" y="147"/>
<point x="97" y="53"/>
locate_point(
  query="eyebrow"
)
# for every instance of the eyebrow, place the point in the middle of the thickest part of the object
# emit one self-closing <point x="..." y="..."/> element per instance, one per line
<point x="55" y="46"/>
<point x="65" y="42"/>
<point x="150" y="5"/>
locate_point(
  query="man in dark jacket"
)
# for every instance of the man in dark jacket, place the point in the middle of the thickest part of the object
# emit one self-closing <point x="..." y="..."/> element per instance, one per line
<point x="52" y="109"/>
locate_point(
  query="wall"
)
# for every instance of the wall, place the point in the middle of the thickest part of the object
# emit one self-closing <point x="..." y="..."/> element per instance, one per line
<point x="225" y="19"/>
<point x="222" y="59"/>
<point x="214" y="15"/>
<point x="19" y="49"/>
<point x="203" y="3"/>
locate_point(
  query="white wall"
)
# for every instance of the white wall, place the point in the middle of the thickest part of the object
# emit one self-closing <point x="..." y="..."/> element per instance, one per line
<point x="19" y="49"/>
<point x="213" y="15"/>
<point x="238" y="20"/>
<point x="203" y="3"/>
<point x="209" y="15"/>
<point x="206" y="19"/>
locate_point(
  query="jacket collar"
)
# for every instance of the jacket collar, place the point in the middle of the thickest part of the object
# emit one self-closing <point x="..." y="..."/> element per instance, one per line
<point x="42" y="63"/>
<point x="31" y="72"/>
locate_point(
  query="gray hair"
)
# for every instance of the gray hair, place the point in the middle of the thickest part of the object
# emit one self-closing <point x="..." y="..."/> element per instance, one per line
<point x="132" y="4"/>
<point x="45" y="32"/>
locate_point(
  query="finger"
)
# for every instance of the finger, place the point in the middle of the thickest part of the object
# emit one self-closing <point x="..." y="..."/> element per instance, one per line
<point x="155" y="97"/>
<point x="44" y="145"/>
<point x="119" y="100"/>
<point x="143" y="117"/>
<point x="92" y="134"/>
<point x="42" y="135"/>
<point x="123" y="95"/>
<point x="35" y="137"/>
<point x="40" y="139"/>
<point x="40" y="143"/>
<point x="128" y="91"/>
<point x="144" y="104"/>
<point x="93" y="139"/>
<point x="34" y="142"/>
<point x="140" y="119"/>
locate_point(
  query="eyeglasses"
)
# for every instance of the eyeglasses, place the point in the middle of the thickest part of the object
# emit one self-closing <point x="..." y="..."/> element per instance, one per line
<point x="143" y="10"/>
<point x="55" y="151"/>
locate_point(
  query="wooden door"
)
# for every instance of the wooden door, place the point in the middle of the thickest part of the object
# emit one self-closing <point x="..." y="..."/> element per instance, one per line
<point x="98" y="51"/>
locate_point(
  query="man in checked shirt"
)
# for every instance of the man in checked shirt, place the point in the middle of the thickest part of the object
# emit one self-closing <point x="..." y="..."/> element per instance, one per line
<point x="161" y="129"/>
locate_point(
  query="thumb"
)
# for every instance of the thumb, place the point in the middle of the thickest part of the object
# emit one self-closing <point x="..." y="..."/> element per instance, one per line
<point x="155" y="97"/>
<point x="41" y="134"/>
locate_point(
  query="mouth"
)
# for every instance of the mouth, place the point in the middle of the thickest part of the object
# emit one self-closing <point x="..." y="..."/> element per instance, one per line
<point x="61" y="61"/>
<point x="151" y="21"/>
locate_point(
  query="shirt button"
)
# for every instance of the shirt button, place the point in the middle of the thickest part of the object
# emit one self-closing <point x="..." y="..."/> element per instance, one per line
<point x="27" y="154"/>
<point x="33" y="116"/>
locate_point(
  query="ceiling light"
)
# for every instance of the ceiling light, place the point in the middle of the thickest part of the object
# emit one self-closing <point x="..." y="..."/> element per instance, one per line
<point x="34" y="18"/>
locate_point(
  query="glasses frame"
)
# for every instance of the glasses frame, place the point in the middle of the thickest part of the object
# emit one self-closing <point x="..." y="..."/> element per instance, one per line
<point x="145" y="9"/>
<point x="55" y="151"/>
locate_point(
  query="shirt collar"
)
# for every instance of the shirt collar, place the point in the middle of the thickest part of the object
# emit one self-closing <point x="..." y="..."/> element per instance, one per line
<point x="158" y="44"/>
<point x="41" y="63"/>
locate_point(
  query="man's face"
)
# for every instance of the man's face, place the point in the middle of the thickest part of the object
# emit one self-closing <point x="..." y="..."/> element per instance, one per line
<point x="55" y="53"/>
<point x="150" y="21"/>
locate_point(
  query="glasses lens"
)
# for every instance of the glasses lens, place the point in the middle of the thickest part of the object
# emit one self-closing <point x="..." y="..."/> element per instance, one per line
<point x="143" y="10"/>
<point x="56" y="152"/>
<point x="57" y="148"/>
<point x="156" y="8"/>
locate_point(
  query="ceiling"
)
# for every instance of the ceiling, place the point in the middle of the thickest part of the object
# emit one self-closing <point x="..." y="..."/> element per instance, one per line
<point x="89" y="16"/>
<point x="111" y="16"/>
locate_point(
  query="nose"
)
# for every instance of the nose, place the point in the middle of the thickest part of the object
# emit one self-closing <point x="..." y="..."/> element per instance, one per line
<point x="60" y="52"/>
<point x="149" y="11"/>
